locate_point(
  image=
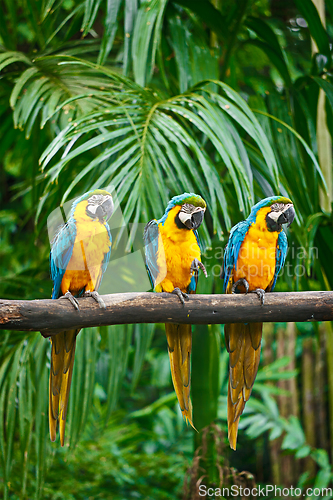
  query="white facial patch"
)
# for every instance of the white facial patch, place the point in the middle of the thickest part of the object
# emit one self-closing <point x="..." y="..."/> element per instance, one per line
<point x="187" y="211"/>
<point x="184" y="217"/>
<point x="274" y="215"/>
<point x="97" y="200"/>
<point x="92" y="208"/>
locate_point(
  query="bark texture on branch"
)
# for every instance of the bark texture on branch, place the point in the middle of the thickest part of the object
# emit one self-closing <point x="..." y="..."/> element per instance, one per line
<point x="51" y="316"/>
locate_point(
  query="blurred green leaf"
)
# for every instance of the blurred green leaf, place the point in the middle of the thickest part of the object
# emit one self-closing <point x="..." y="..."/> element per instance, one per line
<point x="321" y="457"/>
<point x="111" y="26"/>
<point x="318" y="32"/>
<point x="270" y="45"/>
<point x="303" y="452"/>
<point x="146" y="38"/>
<point x="207" y="13"/>
<point x="295" y="437"/>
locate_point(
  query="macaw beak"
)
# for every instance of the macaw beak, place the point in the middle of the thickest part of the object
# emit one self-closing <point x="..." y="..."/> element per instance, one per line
<point x="105" y="210"/>
<point x="196" y="219"/>
<point x="108" y="207"/>
<point x="287" y="216"/>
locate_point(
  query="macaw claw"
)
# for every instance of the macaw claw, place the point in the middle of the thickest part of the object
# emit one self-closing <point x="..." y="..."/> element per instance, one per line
<point x="196" y="265"/>
<point x="96" y="296"/>
<point x="182" y="295"/>
<point x="241" y="281"/>
<point x="72" y="299"/>
<point x="261" y="294"/>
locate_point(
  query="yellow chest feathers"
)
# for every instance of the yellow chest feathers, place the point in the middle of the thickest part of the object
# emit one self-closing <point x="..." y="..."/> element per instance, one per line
<point x="257" y="255"/>
<point x="177" y="250"/>
<point x="91" y="243"/>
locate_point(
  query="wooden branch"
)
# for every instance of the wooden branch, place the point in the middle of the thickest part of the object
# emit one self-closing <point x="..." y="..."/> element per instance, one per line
<point x="51" y="316"/>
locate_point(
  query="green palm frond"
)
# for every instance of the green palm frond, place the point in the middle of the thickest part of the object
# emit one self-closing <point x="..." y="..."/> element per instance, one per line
<point x="136" y="135"/>
<point x="50" y="24"/>
<point x="49" y="83"/>
<point x="146" y="38"/>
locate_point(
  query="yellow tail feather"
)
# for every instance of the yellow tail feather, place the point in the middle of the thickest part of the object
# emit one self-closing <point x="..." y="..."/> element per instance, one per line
<point x="244" y="344"/>
<point x="62" y="362"/>
<point x="179" y="339"/>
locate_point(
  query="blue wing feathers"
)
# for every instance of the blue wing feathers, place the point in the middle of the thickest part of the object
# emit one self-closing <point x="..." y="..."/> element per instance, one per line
<point x="281" y="252"/>
<point x="193" y="284"/>
<point x="150" y="237"/>
<point x="61" y="253"/>
<point x="196" y="234"/>
<point x="236" y="238"/>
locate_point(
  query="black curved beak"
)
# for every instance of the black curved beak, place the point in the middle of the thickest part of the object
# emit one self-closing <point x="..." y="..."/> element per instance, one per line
<point x="196" y="220"/>
<point x="287" y="216"/>
<point x="105" y="210"/>
<point x="108" y="208"/>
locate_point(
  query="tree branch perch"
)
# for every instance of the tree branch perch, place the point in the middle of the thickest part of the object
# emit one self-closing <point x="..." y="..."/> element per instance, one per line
<point x="51" y="316"/>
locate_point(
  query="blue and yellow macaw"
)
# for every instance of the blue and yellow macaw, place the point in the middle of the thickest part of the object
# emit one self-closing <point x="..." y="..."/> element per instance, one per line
<point x="173" y="259"/>
<point x="253" y="258"/>
<point x="79" y="256"/>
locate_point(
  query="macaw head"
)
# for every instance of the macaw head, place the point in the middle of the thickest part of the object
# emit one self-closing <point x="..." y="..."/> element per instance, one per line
<point x="191" y="213"/>
<point x="281" y="212"/>
<point x="99" y="204"/>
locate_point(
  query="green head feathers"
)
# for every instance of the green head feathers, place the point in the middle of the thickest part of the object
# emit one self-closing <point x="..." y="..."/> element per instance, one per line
<point x="100" y="204"/>
<point x="190" y="198"/>
<point x="282" y="212"/>
<point x="268" y="202"/>
<point x="184" y="199"/>
<point x="92" y="193"/>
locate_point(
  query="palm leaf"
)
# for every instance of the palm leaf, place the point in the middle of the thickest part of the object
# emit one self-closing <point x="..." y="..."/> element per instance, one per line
<point x="133" y="124"/>
<point x="146" y="38"/>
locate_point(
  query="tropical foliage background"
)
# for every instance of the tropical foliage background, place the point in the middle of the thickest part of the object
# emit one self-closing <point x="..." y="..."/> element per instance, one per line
<point x="233" y="100"/>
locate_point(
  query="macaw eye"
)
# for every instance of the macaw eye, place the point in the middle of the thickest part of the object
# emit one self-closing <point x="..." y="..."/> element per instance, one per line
<point x="187" y="208"/>
<point x="95" y="198"/>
